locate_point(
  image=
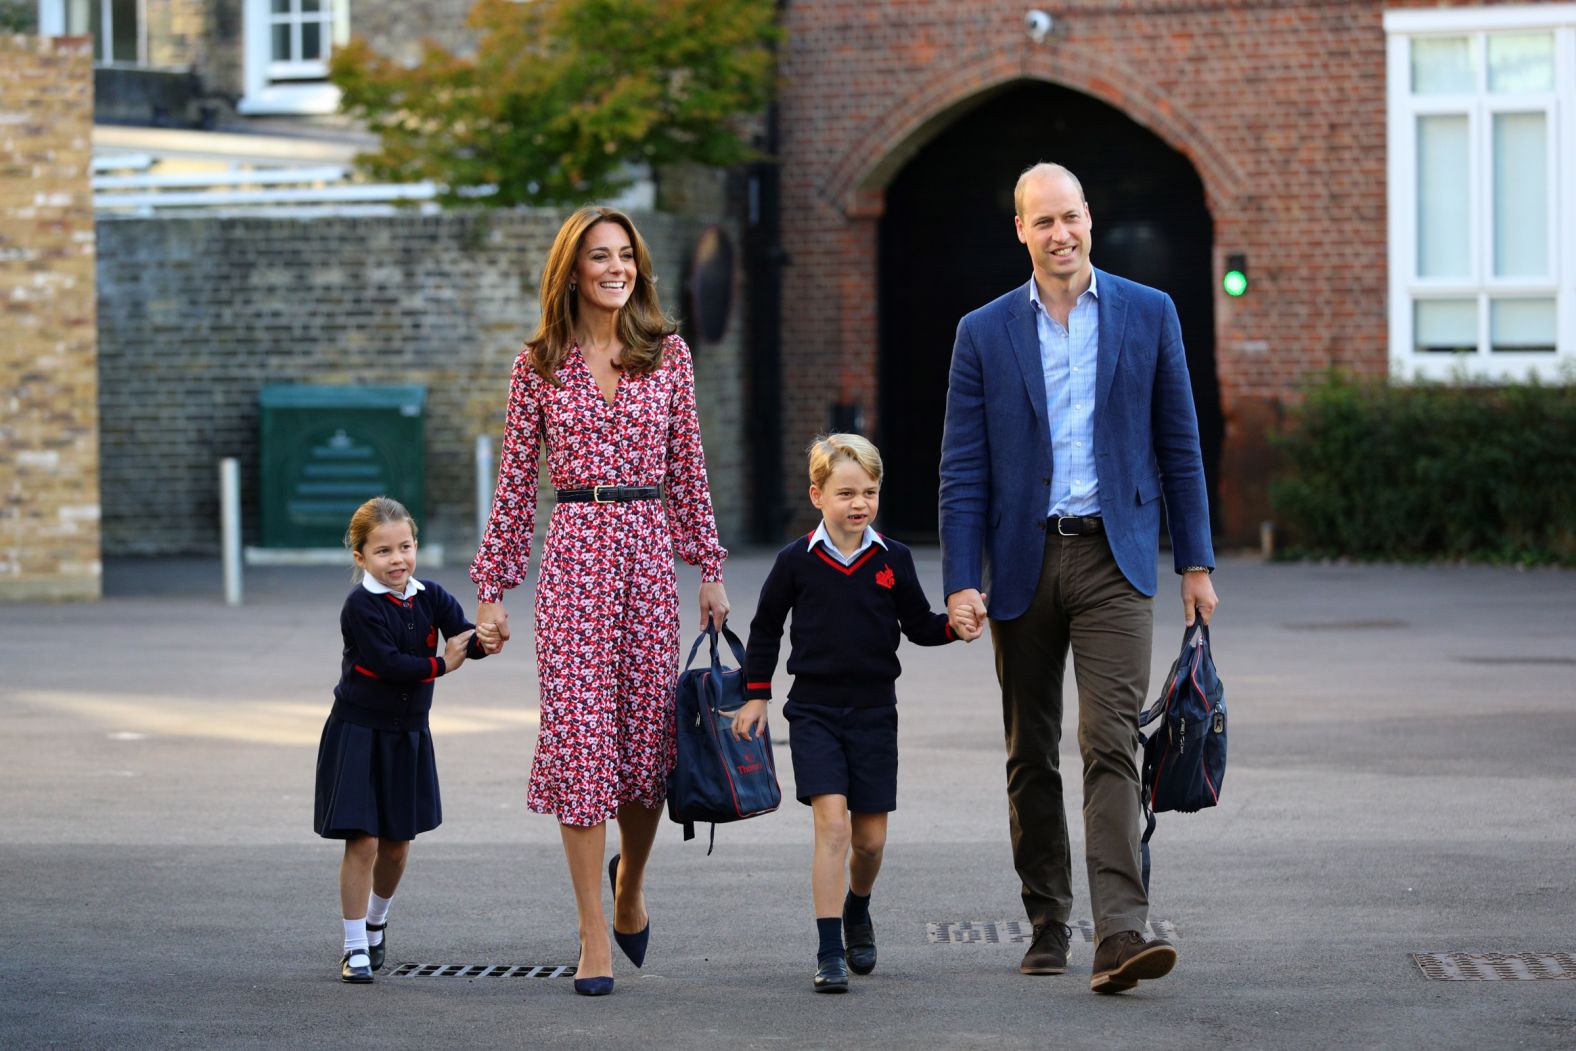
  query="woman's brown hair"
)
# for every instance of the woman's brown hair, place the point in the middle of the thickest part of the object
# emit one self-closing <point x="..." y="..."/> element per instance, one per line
<point x="642" y="326"/>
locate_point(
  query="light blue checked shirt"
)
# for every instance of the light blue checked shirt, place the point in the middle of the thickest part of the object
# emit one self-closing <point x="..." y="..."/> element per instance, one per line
<point x="1069" y="357"/>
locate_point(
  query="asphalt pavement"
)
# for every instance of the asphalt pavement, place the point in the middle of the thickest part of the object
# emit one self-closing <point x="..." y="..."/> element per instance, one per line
<point x="1400" y="781"/>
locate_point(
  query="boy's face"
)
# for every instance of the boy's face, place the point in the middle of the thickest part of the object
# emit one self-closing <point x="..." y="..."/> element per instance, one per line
<point x="849" y="499"/>
<point x="389" y="555"/>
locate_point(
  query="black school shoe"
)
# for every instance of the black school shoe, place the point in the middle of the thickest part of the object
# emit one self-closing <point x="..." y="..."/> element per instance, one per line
<point x="832" y="976"/>
<point x="860" y="939"/>
<point x="375" y="952"/>
<point x="356" y="967"/>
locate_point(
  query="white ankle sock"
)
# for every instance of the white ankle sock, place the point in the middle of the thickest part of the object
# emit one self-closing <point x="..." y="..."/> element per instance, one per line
<point x="377" y="915"/>
<point x="356" y="934"/>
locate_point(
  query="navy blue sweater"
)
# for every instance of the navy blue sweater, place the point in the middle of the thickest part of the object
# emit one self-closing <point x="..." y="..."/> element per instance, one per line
<point x="390" y="658"/>
<point x="844" y="637"/>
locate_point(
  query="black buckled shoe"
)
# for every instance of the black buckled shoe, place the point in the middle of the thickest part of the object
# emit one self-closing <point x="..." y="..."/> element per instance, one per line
<point x="832" y="976"/>
<point x="375" y="952"/>
<point x="356" y="967"/>
<point x="860" y="940"/>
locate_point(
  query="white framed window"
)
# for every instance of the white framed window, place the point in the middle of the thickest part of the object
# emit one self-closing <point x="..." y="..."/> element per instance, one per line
<point x="287" y="44"/>
<point x="1482" y="191"/>
<point x="118" y="27"/>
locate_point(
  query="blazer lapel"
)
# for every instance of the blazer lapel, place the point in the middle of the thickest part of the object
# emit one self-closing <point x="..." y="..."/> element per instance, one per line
<point x="1112" y="307"/>
<point x="1024" y="332"/>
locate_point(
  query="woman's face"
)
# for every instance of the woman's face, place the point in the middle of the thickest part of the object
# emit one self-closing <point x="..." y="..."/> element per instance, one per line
<point x="605" y="270"/>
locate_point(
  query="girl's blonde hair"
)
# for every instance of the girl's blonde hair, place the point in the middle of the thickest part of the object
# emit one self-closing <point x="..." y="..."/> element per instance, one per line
<point x="828" y="450"/>
<point x="642" y="326"/>
<point x="380" y="510"/>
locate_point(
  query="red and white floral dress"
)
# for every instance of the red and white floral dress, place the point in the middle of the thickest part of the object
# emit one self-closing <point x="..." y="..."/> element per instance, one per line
<point x="607" y="608"/>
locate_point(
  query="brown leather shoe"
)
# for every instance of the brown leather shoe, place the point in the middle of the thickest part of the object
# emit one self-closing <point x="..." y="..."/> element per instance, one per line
<point x="1123" y="959"/>
<point x="1048" y="952"/>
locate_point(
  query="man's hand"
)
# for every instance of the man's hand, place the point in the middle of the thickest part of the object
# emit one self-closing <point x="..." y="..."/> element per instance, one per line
<point x="492" y="625"/>
<point x="1198" y="593"/>
<point x="966" y="612"/>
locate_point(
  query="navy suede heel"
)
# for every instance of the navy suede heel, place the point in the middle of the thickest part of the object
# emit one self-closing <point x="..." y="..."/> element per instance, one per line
<point x="633" y="945"/>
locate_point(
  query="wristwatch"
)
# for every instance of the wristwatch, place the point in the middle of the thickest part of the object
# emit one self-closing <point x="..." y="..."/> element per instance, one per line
<point x="1198" y="569"/>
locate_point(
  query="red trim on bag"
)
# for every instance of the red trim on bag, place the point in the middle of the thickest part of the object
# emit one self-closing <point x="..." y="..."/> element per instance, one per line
<point x="368" y="673"/>
<point x="1210" y="718"/>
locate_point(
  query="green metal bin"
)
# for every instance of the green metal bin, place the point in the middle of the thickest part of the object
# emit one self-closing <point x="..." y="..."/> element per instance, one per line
<point x="326" y="450"/>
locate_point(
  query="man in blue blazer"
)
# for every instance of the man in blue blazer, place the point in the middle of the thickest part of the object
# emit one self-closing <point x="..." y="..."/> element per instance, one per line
<point x="1069" y="417"/>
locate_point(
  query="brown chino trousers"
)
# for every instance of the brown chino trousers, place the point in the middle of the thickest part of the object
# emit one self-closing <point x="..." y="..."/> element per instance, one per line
<point x="1083" y="600"/>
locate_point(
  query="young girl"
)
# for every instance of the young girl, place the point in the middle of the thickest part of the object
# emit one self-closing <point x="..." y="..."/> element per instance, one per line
<point x="850" y="590"/>
<point x="377" y="782"/>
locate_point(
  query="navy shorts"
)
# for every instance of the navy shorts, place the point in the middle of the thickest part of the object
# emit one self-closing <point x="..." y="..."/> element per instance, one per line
<point x="846" y="751"/>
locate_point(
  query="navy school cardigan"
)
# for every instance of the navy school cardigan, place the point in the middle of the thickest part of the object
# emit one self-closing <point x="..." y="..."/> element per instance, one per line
<point x="844" y="636"/>
<point x="391" y="655"/>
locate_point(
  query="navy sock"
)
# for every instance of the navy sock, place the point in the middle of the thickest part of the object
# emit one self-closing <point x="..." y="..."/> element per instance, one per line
<point x="856" y="908"/>
<point x="831" y="932"/>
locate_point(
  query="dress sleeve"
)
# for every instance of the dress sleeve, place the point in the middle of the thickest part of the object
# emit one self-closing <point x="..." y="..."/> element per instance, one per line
<point x="505" y="551"/>
<point x="688" y="494"/>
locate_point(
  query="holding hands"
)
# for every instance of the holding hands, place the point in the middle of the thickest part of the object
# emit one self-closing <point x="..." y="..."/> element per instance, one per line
<point x="966" y="612"/>
<point x="492" y="625"/>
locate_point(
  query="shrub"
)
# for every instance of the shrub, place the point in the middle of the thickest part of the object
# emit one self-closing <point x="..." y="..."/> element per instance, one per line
<point x="1381" y="470"/>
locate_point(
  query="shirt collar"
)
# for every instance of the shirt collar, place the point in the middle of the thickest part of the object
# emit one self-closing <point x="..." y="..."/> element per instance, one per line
<point x="1092" y="290"/>
<point x="411" y="587"/>
<point x="821" y="536"/>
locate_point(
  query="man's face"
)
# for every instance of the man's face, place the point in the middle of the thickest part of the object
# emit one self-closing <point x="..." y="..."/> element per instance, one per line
<point x="1055" y="225"/>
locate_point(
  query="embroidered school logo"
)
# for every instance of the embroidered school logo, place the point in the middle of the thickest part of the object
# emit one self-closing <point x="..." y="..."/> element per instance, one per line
<point x="886" y="578"/>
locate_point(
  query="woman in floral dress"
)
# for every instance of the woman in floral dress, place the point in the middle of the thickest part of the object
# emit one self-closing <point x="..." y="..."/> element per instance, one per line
<point x="609" y="387"/>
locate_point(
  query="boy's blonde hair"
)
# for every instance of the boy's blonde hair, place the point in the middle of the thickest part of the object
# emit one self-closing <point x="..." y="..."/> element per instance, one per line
<point x="377" y="511"/>
<point x="828" y="450"/>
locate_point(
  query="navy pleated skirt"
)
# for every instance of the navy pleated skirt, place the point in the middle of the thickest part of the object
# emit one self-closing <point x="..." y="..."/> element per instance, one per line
<point x="375" y="782"/>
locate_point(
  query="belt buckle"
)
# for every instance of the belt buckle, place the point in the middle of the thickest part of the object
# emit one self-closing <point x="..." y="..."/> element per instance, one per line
<point x="1069" y="518"/>
<point x="596" y="494"/>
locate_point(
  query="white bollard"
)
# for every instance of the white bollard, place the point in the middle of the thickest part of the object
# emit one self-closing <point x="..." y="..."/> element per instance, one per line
<point x="230" y="527"/>
<point x="484" y="484"/>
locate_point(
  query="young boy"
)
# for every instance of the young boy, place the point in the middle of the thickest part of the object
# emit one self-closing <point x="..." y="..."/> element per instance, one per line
<point x="850" y="590"/>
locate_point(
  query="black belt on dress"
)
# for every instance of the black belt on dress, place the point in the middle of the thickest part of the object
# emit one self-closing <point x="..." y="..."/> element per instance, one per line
<point x="1075" y="525"/>
<point x="610" y="494"/>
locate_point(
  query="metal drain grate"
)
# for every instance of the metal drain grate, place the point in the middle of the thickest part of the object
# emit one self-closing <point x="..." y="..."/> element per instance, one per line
<point x="1495" y="966"/>
<point x="481" y="970"/>
<point x="994" y="932"/>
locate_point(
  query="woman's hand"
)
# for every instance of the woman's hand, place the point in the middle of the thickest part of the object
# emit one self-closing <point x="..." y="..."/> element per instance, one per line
<point x="492" y="625"/>
<point x="713" y="605"/>
<point x="749" y="721"/>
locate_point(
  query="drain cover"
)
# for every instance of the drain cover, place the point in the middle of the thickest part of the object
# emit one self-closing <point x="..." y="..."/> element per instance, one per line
<point x="481" y="970"/>
<point x="993" y="932"/>
<point x="1495" y="966"/>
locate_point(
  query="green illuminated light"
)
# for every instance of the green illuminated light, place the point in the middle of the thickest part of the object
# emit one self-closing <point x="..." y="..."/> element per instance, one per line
<point x="1235" y="282"/>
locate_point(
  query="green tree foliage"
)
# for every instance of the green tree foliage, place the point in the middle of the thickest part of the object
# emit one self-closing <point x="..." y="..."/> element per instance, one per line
<point x="1431" y="470"/>
<point x="18" y="16"/>
<point x="563" y="95"/>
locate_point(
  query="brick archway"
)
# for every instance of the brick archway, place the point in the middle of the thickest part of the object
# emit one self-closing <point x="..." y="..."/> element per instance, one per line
<point x="860" y="177"/>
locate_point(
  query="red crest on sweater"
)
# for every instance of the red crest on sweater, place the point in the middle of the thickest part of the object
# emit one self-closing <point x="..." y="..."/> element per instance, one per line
<point x="886" y="578"/>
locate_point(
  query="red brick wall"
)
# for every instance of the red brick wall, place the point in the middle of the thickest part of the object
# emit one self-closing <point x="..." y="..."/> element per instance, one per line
<point x="1279" y="104"/>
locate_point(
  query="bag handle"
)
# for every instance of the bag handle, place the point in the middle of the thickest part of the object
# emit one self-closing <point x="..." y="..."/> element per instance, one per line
<point x="711" y="633"/>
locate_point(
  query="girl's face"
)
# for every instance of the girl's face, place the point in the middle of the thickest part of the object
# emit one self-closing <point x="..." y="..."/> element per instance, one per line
<point x="389" y="555"/>
<point x="605" y="271"/>
<point x="849" y="500"/>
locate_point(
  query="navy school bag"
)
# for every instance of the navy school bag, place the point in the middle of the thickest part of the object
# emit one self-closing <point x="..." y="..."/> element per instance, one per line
<point x="717" y="778"/>
<point x="1185" y="756"/>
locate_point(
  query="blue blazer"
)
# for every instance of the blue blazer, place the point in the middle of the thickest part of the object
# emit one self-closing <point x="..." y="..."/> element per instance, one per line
<point x="996" y="445"/>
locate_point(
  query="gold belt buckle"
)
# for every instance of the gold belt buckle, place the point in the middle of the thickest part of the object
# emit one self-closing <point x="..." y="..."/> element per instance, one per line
<point x="596" y="494"/>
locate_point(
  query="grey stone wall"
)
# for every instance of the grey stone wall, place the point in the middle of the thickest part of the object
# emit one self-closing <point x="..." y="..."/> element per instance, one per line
<point x="196" y="315"/>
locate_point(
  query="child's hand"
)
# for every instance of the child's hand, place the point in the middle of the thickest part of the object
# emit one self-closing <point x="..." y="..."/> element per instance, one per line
<point x="489" y="636"/>
<point x="454" y="650"/>
<point x="749" y="721"/>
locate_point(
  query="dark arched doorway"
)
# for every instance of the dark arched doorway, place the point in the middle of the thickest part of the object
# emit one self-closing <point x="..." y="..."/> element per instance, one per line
<point x="947" y="246"/>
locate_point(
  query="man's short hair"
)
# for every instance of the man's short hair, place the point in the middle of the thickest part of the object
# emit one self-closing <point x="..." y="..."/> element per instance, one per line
<point x="1043" y="168"/>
